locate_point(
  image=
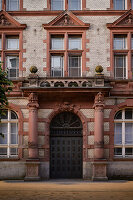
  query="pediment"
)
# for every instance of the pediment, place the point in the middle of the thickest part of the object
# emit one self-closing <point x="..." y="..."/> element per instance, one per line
<point x="66" y="19"/>
<point x="7" y="21"/>
<point x="126" y="20"/>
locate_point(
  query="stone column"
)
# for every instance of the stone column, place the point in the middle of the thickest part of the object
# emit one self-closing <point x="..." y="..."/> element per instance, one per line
<point x="32" y="162"/>
<point x="99" y="164"/>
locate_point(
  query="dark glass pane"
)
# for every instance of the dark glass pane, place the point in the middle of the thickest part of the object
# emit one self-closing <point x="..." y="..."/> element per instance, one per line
<point x="118" y="115"/>
<point x="13" y="151"/>
<point x="118" y="151"/>
<point x="128" y="114"/>
<point x="13" y="115"/>
<point x="3" y="151"/>
<point x="4" y="114"/>
<point x="129" y="151"/>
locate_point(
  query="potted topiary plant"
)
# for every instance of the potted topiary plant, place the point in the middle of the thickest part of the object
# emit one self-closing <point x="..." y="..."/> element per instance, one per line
<point x="99" y="69"/>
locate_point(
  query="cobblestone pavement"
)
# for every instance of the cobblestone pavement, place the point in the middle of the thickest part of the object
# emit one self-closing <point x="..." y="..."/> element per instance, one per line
<point x="66" y="189"/>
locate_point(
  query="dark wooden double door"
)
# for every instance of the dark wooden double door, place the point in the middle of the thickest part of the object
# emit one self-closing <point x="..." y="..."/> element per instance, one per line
<point x="66" y="157"/>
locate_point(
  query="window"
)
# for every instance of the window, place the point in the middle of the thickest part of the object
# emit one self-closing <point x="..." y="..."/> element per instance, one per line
<point x="66" y="5"/>
<point x="12" y="42"/>
<point x="120" y="56"/>
<point x="74" y="4"/>
<point x="0" y="4"/>
<point x="12" y="5"/>
<point x="10" y="54"/>
<point x="120" y="41"/>
<point x="57" y="4"/>
<point x="12" y="66"/>
<point x="123" y="133"/>
<point x="120" y="66"/>
<point x="56" y="65"/>
<point x="66" y="47"/>
<point x="74" y="42"/>
<point x="9" y="129"/>
<point x="119" y="4"/>
<point x="131" y="4"/>
<point x="74" y="66"/>
<point x="57" y="42"/>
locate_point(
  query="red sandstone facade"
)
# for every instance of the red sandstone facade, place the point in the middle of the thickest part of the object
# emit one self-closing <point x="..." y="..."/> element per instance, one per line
<point x="94" y="99"/>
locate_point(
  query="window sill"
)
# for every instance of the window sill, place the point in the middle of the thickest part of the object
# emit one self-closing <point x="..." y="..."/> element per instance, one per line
<point x="9" y="159"/>
<point x="123" y="158"/>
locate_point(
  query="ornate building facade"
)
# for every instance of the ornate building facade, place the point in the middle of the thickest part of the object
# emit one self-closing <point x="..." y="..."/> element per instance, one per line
<point x="66" y="120"/>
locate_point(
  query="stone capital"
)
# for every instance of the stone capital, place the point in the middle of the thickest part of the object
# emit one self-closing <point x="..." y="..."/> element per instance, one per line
<point x="33" y="101"/>
<point x="99" y="101"/>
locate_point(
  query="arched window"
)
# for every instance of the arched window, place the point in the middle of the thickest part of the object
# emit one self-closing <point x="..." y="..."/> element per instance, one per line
<point x="9" y="130"/>
<point x="123" y="133"/>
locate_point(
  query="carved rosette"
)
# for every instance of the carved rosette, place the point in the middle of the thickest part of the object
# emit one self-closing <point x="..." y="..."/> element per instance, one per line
<point x="33" y="101"/>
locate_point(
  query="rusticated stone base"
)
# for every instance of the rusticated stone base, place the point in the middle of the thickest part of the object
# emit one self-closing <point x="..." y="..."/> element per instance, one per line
<point x="99" y="170"/>
<point x="32" y="170"/>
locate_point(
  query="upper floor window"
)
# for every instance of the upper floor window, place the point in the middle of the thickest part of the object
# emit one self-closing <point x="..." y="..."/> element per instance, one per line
<point x="12" y="42"/>
<point x="66" y="4"/>
<point x="0" y="4"/>
<point x="120" y="41"/>
<point x="12" y="5"/>
<point x="9" y="129"/>
<point x="123" y="133"/>
<point x="66" y="55"/>
<point x="119" y="4"/>
<point x="9" y="45"/>
<point x="57" y="42"/>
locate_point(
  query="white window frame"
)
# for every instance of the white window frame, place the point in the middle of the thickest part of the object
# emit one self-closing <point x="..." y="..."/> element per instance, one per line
<point x="59" y="38"/>
<point x="74" y="37"/>
<point x="9" y="121"/>
<point x="123" y="121"/>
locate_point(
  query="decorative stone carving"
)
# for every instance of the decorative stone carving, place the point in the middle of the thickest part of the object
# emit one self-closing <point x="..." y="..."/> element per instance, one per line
<point x="33" y="100"/>
<point x="99" y="98"/>
<point x="129" y="20"/>
<point x="4" y="21"/>
<point x="66" y="21"/>
<point x="66" y="106"/>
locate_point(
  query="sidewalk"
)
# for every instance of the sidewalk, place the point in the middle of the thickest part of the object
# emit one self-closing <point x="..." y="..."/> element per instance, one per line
<point x="66" y="189"/>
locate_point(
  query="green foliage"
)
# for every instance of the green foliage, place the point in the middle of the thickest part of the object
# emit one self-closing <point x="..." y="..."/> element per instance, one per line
<point x="5" y="87"/>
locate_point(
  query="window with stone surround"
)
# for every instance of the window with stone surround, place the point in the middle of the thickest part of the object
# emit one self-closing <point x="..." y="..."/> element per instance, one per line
<point x="66" y="55"/>
<point x="9" y="129"/>
<point x="9" y="50"/>
<point x="67" y="4"/>
<point x="119" y="4"/>
<point x="11" y="5"/>
<point x="123" y="133"/>
<point x="122" y="55"/>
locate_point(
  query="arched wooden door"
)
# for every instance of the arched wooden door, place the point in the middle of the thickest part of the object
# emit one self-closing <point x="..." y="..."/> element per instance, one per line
<point x="66" y="144"/>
